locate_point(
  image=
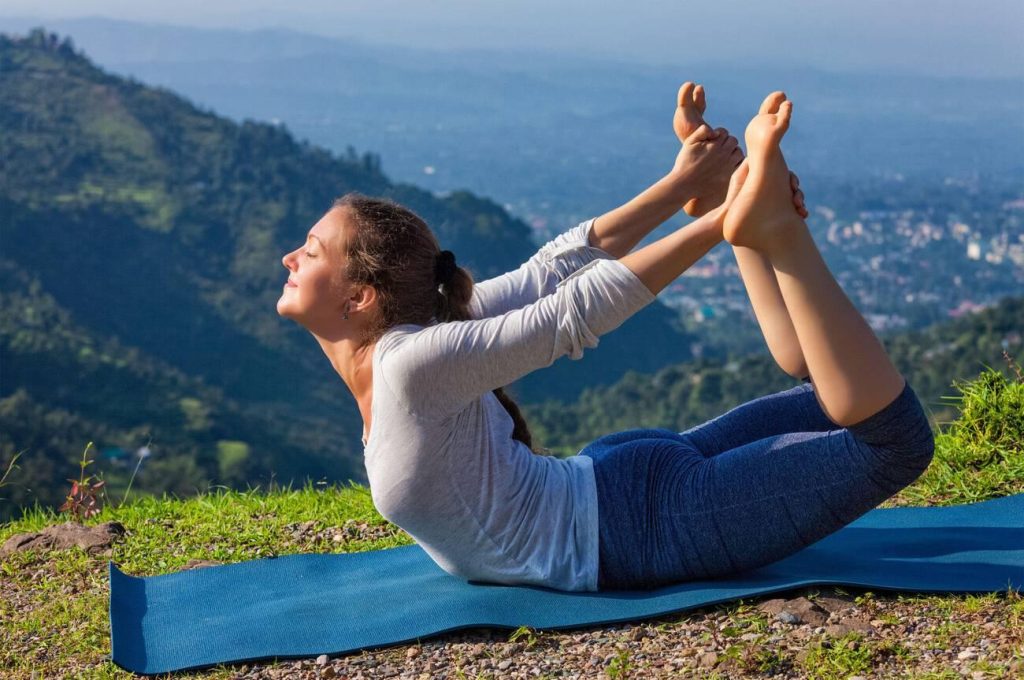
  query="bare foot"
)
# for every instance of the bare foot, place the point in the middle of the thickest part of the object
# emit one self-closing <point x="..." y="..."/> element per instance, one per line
<point x="691" y="103"/>
<point x="762" y="214"/>
<point x="690" y="107"/>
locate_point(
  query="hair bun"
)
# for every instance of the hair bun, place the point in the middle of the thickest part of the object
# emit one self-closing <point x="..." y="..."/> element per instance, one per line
<point x="444" y="267"/>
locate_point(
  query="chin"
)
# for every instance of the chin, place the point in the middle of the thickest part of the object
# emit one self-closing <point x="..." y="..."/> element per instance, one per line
<point x="282" y="310"/>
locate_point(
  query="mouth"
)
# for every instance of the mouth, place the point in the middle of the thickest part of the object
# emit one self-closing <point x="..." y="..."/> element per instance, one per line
<point x="290" y="284"/>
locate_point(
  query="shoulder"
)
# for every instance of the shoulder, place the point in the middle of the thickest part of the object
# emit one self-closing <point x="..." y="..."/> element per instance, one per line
<point x="401" y="355"/>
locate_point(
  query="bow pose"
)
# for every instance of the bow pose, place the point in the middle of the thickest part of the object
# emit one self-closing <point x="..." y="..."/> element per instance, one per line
<point x="425" y="352"/>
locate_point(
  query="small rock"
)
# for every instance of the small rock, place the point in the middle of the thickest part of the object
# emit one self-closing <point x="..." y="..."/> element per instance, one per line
<point x="195" y="563"/>
<point x="803" y="609"/>
<point x="833" y="604"/>
<point x="807" y="611"/>
<point x="412" y="652"/>
<point x="772" y="607"/>
<point x="329" y="672"/>
<point x="848" y="626"/>
<point x="966" y="654"/>
<point x="749" y="637"/>
<point x="92" y="539"/>
<point x="787" y="617"/>
<point x="505" y="665"/>
<point x="321" y="660"/>
<point x="708" y="659"/>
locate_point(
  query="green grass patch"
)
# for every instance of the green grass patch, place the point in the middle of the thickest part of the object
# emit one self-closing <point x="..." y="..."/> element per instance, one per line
<point x="67" y="594"/>
<point x="980" y="455"/>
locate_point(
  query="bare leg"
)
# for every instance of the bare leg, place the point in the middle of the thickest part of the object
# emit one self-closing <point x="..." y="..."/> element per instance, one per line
<point x="770" y="310"/>
<point x="852" y="374"/>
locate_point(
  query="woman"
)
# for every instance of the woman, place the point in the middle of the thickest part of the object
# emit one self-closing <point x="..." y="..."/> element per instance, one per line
<point x="425" y="353"/>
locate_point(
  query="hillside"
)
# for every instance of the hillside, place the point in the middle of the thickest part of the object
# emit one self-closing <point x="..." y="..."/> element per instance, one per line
<point x="142" y="239"/>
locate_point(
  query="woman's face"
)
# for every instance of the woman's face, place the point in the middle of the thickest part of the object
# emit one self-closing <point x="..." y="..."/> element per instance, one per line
<point x="316" y="290"/>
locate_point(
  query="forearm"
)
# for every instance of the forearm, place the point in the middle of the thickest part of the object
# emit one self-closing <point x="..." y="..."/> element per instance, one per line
<point x="660" y="263"/>
<point x="618" y="231"/>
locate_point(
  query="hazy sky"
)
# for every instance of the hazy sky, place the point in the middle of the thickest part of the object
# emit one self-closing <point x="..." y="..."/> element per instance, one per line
<point x="938" y="37"/>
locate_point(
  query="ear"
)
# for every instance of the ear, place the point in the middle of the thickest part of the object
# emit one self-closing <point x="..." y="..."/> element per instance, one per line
<point x="362" y="299"/>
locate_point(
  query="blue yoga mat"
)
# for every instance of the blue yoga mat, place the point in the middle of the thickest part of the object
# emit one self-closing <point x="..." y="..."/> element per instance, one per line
<point x="299" y="606"/>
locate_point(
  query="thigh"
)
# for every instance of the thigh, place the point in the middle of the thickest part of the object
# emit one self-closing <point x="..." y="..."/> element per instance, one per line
<point x="793" y="410"/>
<point x="763" y="501"/>
<point x="670" y="513"/>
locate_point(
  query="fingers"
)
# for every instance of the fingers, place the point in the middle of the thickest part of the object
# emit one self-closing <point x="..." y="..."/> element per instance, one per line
<point x="702" y="134"/>
<point x="739" y="176"/>
<point x="798" y="202"/>
<point x="740" y="173"/>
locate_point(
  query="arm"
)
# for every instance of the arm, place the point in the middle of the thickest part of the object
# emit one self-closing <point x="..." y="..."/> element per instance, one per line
<point x="703" y="167"/>
<point x="440" y="369"/>
<point x="538" y="276"/>
<point x="618" y="231"/>
<point x="706" y="161"/>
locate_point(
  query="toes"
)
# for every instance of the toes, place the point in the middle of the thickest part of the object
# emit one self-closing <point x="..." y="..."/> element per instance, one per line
<point x="782" y="119"/>
<point x="772" y="101"/>
<point x="698" y="98"/>
<point x="685" y="96"/>
<point x="794" y="181"/>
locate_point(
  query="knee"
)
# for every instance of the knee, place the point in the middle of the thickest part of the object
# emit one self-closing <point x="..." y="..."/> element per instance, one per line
<point x="920" y="451"/>
<point x="907" y="455"/>
<point x="900" y="438"/>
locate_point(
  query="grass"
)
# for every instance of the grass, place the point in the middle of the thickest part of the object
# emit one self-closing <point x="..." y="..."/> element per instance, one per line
<point x="162" y="536"/>
<point x="54" y="606"/>
<point x="980" y="455"/>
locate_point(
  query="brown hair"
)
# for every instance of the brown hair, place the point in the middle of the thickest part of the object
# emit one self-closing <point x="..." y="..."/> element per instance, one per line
<point x="392" y="249"/>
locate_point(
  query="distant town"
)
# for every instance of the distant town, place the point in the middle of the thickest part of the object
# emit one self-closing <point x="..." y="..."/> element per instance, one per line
<point x="929" y="250"/>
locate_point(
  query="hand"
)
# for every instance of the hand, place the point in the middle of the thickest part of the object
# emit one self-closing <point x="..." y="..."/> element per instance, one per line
<point x="703" y="168"/>
<point x="740" y="175"/>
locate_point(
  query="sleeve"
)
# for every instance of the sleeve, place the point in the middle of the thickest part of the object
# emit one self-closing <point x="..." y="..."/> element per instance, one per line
<point x="440" y="369"/>
<point x="538" y="276"/>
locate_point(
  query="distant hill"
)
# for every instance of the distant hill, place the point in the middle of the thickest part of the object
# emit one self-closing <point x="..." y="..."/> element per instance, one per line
<point x="563" y="137"/>
<point x="686" y="394"/>
<point x="139" y="272"/>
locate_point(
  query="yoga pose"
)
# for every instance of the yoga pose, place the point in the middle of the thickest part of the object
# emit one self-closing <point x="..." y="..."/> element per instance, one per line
<point x="449" y="457"/>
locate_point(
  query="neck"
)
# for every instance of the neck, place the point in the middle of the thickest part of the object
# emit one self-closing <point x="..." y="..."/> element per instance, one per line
<point x="354" y="365"/>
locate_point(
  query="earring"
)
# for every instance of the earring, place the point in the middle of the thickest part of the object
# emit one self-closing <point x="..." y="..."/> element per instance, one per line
<point x="346" y="313"/>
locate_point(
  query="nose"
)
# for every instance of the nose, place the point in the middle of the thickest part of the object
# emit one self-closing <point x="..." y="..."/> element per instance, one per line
<point x="288" y="257"/>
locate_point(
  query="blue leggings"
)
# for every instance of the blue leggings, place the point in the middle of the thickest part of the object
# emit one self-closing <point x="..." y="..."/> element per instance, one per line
<point x="747" y="488"/>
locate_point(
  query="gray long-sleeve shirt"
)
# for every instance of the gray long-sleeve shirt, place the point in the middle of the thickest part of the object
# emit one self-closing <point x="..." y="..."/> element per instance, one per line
<point x="440" y="458"/>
